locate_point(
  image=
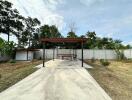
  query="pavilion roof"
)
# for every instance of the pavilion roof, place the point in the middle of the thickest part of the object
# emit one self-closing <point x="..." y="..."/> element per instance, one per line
<point x="64" y="40"/>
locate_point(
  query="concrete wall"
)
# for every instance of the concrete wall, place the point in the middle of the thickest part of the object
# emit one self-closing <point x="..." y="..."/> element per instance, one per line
<point x="128" y="53"/>
<point x="88" y="54"/>
<point x="22" y="55"/>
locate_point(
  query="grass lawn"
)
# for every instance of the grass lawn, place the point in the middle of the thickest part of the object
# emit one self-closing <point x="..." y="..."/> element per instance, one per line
<point x="11" y="73"/>
<point x="116" y="79"/>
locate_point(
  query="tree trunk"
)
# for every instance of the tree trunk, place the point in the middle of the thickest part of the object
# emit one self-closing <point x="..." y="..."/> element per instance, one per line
<point x="8" y="37"/>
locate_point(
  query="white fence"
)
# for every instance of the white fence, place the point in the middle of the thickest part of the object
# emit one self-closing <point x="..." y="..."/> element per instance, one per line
<point x="88" y="54"/>
<point x="128" y="53"/>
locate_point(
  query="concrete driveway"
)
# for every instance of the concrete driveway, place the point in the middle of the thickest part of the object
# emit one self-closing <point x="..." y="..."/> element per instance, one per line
<point x="59" y="80"/>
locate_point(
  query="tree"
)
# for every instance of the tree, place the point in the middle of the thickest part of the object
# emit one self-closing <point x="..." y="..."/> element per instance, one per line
<point x="54" y="32"/>
<point x="35" y="40"/>
<point x="6" y="48"/>
<point x="71" y="35"/>
<point x="91" y="39"/>
<point x="23" y="39"/>
<point x="10" y="20"/>
<point x="30" y="29"/>
<point x="118" y="47"/>
<point x="47" y="31"/>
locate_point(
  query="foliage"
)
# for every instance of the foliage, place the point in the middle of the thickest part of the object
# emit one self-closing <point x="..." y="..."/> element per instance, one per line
<point x="13" y="61"/>
<point x="28" y="32"/>
<point x="104" y="62"/>
<point x="10" y="20"/>
<point x="71" y="35"/>
<point x="7" y="48"/>
<point x="93" y="60"/>
<point x="91" y="39"/>
<point x="28" y="35"/>
<point x="47" y="31"/>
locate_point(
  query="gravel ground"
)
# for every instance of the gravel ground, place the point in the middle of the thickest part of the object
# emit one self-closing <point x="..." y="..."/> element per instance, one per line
<point x="59" y="80"/>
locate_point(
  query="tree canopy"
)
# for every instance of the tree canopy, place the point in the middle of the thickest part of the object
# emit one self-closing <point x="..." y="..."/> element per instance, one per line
<point x="29" y="31"/>
<point x="10" y="19"/>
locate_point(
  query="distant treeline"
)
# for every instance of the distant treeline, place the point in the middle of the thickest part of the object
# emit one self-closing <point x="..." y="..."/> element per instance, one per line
<point x="29" y="31"/>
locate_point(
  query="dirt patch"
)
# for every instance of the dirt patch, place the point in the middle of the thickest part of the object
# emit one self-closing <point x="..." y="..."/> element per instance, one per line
<point x="116" y="79"/>
<point x="11" y="73"/>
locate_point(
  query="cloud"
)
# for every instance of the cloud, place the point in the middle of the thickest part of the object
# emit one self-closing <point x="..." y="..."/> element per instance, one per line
<point x="44" y="10"/>
<point x="90" y="2"/>
<point x="110" y="18"/>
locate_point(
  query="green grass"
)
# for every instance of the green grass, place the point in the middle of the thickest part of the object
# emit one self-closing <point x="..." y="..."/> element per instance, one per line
<point x="12" y="73"/>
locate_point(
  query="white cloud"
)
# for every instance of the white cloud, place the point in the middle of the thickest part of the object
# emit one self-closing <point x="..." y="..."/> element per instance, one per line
<point x="90" y="2"/>
<point x="44" y="10"/>
<point x="112" y="27"/>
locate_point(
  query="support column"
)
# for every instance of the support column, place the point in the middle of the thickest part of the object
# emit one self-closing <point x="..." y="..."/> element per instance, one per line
<point x="44" y="54"/>
<point x="27" y="54"/>
<point x="53" y="53"/>
<point x="82" y="52"/>
<point x="57" y="52"/>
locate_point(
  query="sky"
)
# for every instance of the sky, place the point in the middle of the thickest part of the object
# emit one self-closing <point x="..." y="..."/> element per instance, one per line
<point x="108" y="18"/>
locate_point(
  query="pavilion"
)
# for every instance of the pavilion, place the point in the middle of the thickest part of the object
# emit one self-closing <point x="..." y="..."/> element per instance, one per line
<point x="62" y="40"/>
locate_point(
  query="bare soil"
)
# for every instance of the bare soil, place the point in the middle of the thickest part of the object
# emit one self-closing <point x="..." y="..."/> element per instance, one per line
<point x="115" y="79"/>
<point x="11" y="73"/>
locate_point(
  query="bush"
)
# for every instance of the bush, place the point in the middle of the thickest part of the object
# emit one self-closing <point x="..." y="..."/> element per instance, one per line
<point x="40" y="58"/>
<point x="104" y="62"/>
<point x="93" y="60"/>
<point x="13" y="61"/>
<point x="4" y="59"/>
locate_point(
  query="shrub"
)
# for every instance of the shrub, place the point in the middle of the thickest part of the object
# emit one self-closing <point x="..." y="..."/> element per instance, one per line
<point x="104" y="62"/>
<point x="0" y="76"/>
<point x="4" y="59"/>
<point x="40" y="58"/>
<point x="13" y="61"/>
<point x="93" y="60"/>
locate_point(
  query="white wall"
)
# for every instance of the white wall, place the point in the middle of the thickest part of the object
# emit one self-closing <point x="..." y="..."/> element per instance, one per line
<point x="88" y="54"/>
<point x="97" y="54"/>
<point x="128" y="53"/>
<point x="22" y="55"/>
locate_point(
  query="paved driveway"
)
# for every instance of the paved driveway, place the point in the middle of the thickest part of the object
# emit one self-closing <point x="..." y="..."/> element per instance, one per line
<point x="60" y="80"/>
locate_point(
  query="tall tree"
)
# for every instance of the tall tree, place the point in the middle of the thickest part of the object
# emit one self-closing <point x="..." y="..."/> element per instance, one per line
<point x="30" y="29"/>
<point x="71" y="35"/>
<point x="54" y="31"/>
<point x="35" y="40"/>
<point x="91" y="39"/>
<point x="10" y="20"/>
<point x="47" y="31"/>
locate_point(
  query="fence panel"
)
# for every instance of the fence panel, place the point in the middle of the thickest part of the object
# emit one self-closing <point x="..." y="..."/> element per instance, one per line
<point x="88" y="53"/>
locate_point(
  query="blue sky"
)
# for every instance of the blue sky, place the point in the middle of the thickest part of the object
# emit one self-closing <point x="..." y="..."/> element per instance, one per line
<point x="108" y="18"/>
